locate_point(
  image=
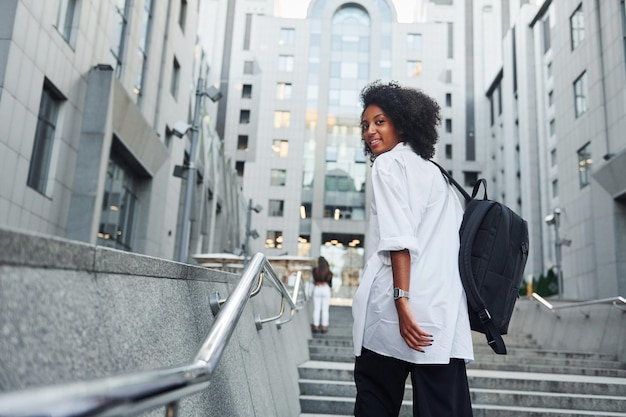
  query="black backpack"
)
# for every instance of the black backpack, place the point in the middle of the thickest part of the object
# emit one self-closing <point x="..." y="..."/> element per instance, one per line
<point x="492" y="257"/>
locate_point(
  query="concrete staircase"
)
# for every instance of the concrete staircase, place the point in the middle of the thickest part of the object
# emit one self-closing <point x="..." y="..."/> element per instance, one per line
<point x="528" y="382"/>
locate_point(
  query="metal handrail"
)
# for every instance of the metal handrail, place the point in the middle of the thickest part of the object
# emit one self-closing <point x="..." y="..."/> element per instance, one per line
<point x="618" y="302"/>
<point x="130" y="394"/>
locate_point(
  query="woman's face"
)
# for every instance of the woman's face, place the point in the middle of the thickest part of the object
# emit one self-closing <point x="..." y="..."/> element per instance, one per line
<point x="378" y="130"/>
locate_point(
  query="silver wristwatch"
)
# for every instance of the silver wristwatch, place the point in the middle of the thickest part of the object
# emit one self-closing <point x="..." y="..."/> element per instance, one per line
<point x="399" y="293"/>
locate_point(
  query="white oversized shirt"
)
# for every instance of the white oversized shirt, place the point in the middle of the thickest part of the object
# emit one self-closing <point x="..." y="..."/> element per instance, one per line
<point x="413" y="207"/>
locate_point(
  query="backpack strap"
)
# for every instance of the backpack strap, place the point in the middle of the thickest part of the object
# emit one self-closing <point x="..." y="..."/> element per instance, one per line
<point x="451" y="180"/>
<point x="458" y="186"/>
<point x="475" y="301"/>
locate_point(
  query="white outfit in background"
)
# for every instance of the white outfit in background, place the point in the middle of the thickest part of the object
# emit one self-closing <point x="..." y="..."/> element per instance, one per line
<point x="413" y="207"/>
<point x="321" y="304"/>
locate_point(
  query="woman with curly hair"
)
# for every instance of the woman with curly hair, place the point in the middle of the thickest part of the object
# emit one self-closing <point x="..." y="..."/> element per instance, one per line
<point x="410" y="311"/>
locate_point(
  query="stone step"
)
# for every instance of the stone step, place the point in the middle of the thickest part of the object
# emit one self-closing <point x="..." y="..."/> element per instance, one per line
<point x="549" y="368"/>
<point x="503" y="394"/>
<point x="320" y="415"/>
<point x="344" y="406"/>
<point x="482" y="396"/>
<point x="535" y="399"/>
<point x="539" y="382"/>
<point x="344" y="353"/>
<point x="519" y="352"/>
<point x="488" y="379"/>
<point x="528" y="382"/>
<point x="481" y="410"/>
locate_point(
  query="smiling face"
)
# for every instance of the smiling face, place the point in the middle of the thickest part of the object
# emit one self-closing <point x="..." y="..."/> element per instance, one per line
<point x="378" y="130"/>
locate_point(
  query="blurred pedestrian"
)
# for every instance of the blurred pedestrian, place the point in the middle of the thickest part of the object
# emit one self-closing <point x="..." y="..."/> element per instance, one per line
<point x="322" y="278"/>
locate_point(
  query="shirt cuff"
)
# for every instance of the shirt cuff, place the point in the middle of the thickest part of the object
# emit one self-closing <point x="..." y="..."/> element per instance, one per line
<point x="388" y="245"/>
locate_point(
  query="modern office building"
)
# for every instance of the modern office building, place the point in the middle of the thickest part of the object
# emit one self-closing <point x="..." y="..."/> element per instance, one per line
<point x="531" y="93"/>
<point x="292" y="115"/>
<point x="90" y="95"/>
<point x="556" y="149"/>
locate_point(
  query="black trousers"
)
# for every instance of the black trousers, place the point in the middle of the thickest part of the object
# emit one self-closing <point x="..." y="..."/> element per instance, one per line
<point x="438" y="390"/>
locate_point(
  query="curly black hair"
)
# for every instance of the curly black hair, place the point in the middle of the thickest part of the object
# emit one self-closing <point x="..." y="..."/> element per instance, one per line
<point x="414" y="114"/>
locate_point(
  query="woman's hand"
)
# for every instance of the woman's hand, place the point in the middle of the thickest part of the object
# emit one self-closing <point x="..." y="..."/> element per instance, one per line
<point x="410" y="331"/>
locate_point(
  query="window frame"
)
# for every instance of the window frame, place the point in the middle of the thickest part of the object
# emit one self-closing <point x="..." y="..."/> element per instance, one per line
<point x="581" y="91"/>
<point x="44" y="143"/>
<point x="64" y="23"/>
<point x="278" y="177"/>
<point x="585" y="162"/>
<point x="577" y="27"/>
<point x="175" y="78"/>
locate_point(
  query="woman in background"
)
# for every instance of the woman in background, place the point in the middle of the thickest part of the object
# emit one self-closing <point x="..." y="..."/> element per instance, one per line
<point x="322" y="278"/>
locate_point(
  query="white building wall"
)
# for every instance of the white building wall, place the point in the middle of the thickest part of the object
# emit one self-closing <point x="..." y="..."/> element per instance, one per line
<point x="33" y="49"/>
<point x="592" y="216"/>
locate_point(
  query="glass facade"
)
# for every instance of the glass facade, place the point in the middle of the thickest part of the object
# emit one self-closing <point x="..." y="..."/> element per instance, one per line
<point x="44" y="139"/>
<point x="344" y="182"/>
<point x="341" y="62"/>
<point x="118" y="207"/>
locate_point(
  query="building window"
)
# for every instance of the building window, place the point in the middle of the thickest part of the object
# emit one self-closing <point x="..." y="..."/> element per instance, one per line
<point x="246" y="33"/>
<point x="341" y="212"/>
<point x="248" y="67"/>
<point x="550" y="98"/>
<point x="555" y="188"/>
<point x="305" y="210"/>
<point x="285" y="63"/>
<point x="182" y="14"/>
<point x="546" y="35"/>
<point x="448" y="151"/>
<point x="278" y="177"/>
<point x="175" y="78"/>
<point x="413" y="68"/>
<point x="414" y="41"/>
<point x="577" y="27"/>
<point x="470" y="178"/>
<point x="119" y="23"/>
<point x="242" y="142"/>
<point x="549" y="70"/>
<point x="552" y="127"/>
<point x="492" y="115"/>
<point x="448" y="77"/>
<point x="287" y="36"/>
<point x="553" y="158"/>
<point x="282" y="118"/>
<point x="448" y="125"/>
<point x="274" y="239"/>
<point x="239" y="167"/>
<point x="275" y="208"/>
<point x="584" y="165"/>
<point x="280" y="148"/>
<point x="448" y="99"/>
<point x="142" y="52"/>
<point x="580" y="94"/>
<point x="41" y="155"/>
<point x="65" y="18"/>
<point x="244" y="116"/>
<point x="119" y="204"/>
<point x="283" y="91"/>
<point x="450" y="40"/>
<point x="499" y="99"/>
<point x="246" y="91"/>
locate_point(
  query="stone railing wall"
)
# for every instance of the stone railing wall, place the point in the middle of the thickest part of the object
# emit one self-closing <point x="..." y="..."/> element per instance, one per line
<point x="72" y="312"/>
